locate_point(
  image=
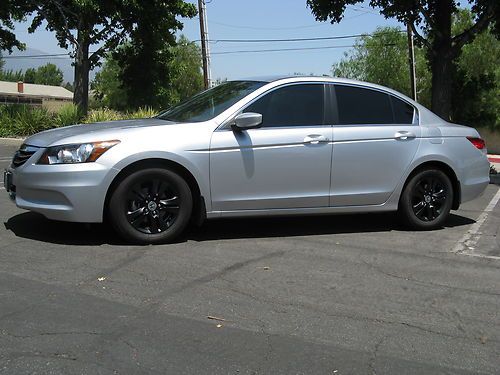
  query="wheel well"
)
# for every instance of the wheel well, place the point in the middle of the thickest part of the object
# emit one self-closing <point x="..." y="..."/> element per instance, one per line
<point x="199" y="211"/>
<point x="446" y="169"/>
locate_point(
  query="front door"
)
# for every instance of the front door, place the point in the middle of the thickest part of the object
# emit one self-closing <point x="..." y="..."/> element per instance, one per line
<point x="285" y="163"/>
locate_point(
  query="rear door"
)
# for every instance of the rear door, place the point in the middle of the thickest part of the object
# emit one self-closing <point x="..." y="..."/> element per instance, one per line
<point x="285" y="163"/>
<point x="376" y="136"/>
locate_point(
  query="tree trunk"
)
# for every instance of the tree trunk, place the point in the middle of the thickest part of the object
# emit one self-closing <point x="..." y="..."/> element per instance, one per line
<point x="82" y="69"/>
<point x="442" y="60"/>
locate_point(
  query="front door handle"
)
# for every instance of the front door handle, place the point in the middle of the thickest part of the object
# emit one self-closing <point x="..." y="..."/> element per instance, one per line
<point x="314" y="139"/>
<point x="404" y="135"/>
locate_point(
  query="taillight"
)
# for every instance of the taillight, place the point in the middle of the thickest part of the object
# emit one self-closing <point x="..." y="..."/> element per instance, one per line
<point x="477" y="142"/>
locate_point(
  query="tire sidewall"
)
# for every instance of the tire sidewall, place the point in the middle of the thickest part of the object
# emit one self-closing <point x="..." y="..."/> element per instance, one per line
<point x="117" y="206"/>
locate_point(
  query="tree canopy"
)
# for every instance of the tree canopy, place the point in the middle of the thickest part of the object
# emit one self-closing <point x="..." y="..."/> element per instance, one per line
<point x="102" y="26"/>
<point x="431" y="22"/>
<point x="182" y="62"/>
<point x="382" y="58"/>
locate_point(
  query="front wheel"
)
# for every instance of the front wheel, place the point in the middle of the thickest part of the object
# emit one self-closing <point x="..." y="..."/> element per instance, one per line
<point x="426" y="200"/>
<point x="151" y="206"/>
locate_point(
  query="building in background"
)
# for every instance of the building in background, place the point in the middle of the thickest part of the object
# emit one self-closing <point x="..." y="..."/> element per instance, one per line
<point x="49" y="97"/>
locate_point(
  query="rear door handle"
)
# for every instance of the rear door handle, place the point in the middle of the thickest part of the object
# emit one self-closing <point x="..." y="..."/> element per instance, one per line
<point x="314" y="139"/>
<point x="404" y="135"/>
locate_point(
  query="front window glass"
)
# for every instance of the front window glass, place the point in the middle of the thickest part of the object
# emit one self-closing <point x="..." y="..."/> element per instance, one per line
<point x="295" y="105"/>
<point x="211" y="103"/>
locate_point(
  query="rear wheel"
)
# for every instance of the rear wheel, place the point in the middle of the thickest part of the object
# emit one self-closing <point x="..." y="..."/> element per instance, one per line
<point x="151" y="206"/>
<point x="426" y="200"/>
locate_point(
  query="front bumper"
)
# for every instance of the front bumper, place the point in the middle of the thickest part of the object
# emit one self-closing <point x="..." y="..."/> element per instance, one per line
<point x="72" y="192"/>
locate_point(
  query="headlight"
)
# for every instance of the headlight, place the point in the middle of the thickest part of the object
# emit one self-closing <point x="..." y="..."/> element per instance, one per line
<point x="76" y="153"/>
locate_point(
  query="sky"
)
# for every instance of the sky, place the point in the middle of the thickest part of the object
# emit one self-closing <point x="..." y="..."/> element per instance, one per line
<point x="260" y="19"/>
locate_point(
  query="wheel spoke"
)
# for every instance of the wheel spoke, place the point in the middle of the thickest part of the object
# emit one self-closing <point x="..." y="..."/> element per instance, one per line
<point x="418" y="211"/>
<point x="135" y="215"/>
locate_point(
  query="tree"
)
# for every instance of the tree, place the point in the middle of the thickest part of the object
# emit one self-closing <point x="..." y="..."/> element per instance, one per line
<point x="184" y="70"/>
<point x="107" y="86"/>
<point x="10" y="11"/>
<point x="382" y="58"/>
<point x="2" y="62"/>
<point x="30" y="75"/>
<point x="104" y="24"/>
<point x="145" y="74"/>
<point x="476" y="89"/>
<point x="184" y="79"/>
<point x="48" y="74"/>
<point x="434" y="18"/>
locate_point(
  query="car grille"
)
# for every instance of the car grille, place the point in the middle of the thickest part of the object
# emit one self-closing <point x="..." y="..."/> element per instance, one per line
<point x="22" y="155"/>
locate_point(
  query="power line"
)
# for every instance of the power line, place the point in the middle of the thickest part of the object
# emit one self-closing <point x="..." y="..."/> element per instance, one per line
<point x="296" y="39"/>
<point x="291" y="49"/>
<point x="35" y="56"/>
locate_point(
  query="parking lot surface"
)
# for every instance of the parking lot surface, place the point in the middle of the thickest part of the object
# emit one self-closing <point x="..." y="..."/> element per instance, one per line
<point x="350" y="294"/>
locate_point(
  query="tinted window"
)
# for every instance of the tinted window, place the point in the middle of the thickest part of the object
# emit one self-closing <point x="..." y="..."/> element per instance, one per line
<point x="403" y="112"/>
<point x="293" y="105"/>
<point x="363" y="106"/>
<point x="208" y="104"/>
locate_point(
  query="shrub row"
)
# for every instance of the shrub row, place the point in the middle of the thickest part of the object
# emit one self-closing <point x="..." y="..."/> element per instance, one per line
<point x="22" y="121"/>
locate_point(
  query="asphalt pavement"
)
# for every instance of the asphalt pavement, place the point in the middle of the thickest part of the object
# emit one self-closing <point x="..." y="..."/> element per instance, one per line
<point x="346" y="294"/>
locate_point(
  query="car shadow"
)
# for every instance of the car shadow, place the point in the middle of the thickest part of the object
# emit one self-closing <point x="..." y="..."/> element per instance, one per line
<point x="36" y="227"/>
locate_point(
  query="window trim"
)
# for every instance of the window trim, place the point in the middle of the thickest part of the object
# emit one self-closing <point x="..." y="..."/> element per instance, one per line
<point x="415" y="120"/>
<point x="226" y="125"/>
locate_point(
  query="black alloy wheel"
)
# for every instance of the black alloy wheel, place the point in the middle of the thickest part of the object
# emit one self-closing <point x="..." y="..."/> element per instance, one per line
<point x="151" y="206"/>
<point x="426" y="199"/>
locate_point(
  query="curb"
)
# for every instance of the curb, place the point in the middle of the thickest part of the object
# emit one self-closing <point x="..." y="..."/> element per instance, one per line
<point x="11" y="141"/>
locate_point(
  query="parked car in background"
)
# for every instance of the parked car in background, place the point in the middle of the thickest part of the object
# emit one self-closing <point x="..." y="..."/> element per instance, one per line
<point x="282" y="146"/>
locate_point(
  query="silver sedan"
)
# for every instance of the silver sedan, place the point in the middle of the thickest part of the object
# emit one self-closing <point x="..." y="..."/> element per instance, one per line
<point x="282" y="146"/>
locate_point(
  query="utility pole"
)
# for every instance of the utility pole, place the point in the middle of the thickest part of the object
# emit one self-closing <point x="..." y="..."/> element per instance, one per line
<point x="205" y="50"/>
<point x="411" y="61"/>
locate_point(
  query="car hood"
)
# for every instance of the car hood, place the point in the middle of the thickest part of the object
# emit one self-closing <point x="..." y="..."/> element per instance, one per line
<point x="53" y="136"/>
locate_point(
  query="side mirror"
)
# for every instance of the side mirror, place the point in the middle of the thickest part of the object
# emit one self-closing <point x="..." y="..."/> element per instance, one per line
<point x="247" y="120"/>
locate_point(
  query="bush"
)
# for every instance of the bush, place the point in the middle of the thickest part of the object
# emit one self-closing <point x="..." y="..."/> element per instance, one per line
<point x="103" y="114"/>
<point x="145" y="112"/>
<point x="69" y="114"/>
<point x="22" y="121"/>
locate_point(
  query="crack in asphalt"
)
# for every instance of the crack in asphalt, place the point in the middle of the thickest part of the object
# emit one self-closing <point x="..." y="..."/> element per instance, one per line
<point x="427" y="283"/>
<point x="6" y="333"/>
<point x="352" y="317"/>
<point x="374" y="354"/>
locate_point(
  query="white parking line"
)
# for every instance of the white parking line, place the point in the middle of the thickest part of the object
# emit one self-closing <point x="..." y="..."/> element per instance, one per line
<point x="467" y="244"/>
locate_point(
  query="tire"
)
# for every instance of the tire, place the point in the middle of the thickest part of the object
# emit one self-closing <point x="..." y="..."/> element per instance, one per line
<point x="426" y="200"/>
<point x="151" y="206"/>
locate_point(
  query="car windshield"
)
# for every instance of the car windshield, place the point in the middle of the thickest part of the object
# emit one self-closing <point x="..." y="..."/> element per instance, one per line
<point x="210" y="103"/>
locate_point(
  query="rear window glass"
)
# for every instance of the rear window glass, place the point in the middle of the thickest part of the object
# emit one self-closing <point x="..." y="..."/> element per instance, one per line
<point x="403" y="112"/>
<point x="363" y="106"/>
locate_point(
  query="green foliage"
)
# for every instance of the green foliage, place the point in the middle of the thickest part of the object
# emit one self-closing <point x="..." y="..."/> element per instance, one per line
<point x="182" y="78"/>
<point x="382" y="58"/>
<point x="11" y="76"/>
<point x="22" y="121"/>
<point x="107" y="87"/>
<point x="69" y="114"/>
<point x="431" y="22"/>
<point x="103" y="114"/>
<point x="105" y="24"/>
<point x="145" y="112"/>
<point x="10" y="11"/>
<point x="30" y="75"/>
<point x="49" y="74"/>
